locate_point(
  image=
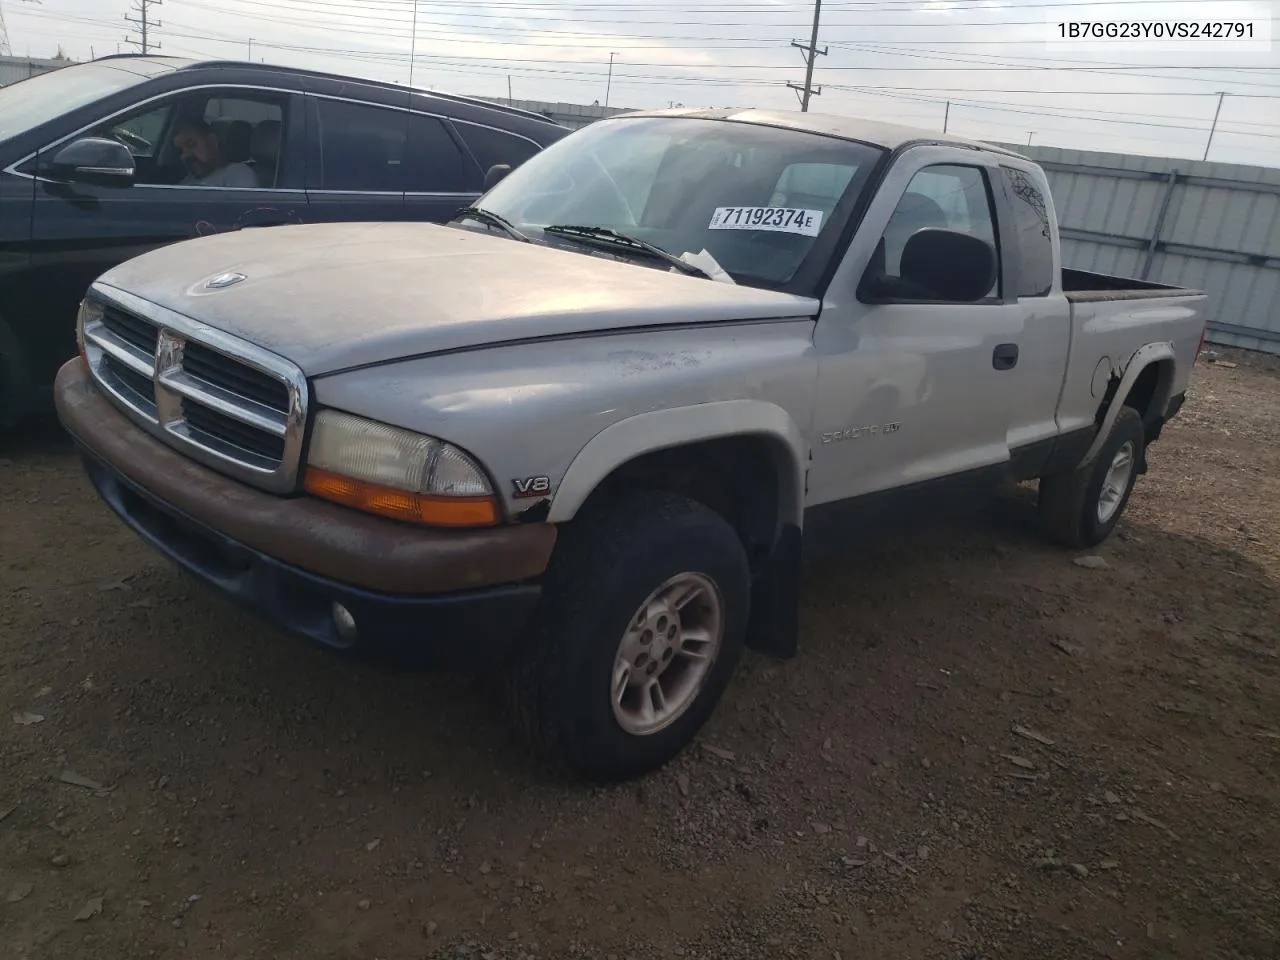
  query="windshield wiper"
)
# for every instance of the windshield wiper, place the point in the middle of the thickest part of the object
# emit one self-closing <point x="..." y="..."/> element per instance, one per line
<point x="616" y="239"/>
<point x="481" y="215"/>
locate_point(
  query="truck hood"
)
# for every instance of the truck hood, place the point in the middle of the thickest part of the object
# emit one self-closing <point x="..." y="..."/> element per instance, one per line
<point x="334" y="296"/>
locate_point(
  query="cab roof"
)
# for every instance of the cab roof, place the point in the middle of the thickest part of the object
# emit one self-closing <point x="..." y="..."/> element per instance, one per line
<point x="890" y="136"/>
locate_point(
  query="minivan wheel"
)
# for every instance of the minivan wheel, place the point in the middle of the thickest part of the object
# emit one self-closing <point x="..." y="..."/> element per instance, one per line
<point x="1080" y="508"/>
<point x="640" y="627"/>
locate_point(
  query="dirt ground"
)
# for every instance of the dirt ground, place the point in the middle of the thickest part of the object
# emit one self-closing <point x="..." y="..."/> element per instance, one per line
<point x="984" y="750"/>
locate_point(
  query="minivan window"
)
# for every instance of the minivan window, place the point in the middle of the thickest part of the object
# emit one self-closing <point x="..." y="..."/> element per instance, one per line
<point x="369" y="148"/>
<point x="435" y="159"/>
<point x="491" y="147"/>
<point x="29" y="103"/>
<point x="247" y="127"/>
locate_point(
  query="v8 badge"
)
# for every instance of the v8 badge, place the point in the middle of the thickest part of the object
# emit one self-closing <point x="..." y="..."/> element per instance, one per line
<point x="531" y="487"/>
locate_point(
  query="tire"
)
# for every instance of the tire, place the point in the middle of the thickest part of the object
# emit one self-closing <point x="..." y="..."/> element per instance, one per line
<point x="608" y="562"/>
<point x="1070" y="502"/>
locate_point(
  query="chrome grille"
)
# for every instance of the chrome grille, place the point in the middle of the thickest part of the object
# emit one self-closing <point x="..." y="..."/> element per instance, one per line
<point x="132" y="330"/>
<point x="221" y="371"/>
<point x="220" y="400"/>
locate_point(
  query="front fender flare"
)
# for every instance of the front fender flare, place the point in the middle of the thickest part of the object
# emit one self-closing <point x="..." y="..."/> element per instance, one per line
<point x="645" y="433"/>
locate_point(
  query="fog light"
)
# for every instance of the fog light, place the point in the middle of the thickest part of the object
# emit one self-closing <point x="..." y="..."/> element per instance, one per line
<point x="344" y="622"/>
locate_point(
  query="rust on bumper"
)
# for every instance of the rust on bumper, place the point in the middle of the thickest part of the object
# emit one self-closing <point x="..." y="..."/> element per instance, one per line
<point x="326" y="539"/>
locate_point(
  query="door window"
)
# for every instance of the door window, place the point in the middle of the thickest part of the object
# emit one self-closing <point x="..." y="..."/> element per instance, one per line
<point x="491" y="147"/>
<point x="143" y="133"/>
<point x="945" y="196"/>
<point x="198" y="140"/>
<point x="377" y="149"/>
<point x="436" y="164"/>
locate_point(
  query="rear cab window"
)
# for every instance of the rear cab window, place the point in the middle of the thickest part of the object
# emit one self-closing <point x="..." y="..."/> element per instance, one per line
<point x="1035" y="237"/>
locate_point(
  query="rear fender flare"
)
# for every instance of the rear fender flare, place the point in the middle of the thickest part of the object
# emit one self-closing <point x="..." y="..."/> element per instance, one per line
<point x="646" y="433"/>
<point x="1142" y="358"/>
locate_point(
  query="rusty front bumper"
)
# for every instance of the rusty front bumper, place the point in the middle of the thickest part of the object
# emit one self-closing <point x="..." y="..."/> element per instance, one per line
<point x="449" y="597"/>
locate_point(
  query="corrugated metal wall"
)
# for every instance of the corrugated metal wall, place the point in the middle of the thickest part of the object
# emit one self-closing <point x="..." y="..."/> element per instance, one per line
<point x="13" y="69"/>
<point x="573" y="115"/>
<point x="1212" y="226"/>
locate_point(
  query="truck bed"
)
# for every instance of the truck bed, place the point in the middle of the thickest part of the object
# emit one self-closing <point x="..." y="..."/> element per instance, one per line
<point x="1082" y="286"/>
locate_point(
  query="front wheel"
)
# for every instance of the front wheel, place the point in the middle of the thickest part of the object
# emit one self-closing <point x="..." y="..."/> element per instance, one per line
<point x="641" y="625"/>
<point x="1080" y="508"/>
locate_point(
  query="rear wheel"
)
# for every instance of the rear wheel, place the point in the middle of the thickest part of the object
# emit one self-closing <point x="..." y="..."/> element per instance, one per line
<point x="641" y="625"/>
<point x="1080" y="508"/>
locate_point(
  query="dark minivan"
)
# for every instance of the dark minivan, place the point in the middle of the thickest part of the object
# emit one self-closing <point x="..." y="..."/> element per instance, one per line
<point x="102" y="161"/>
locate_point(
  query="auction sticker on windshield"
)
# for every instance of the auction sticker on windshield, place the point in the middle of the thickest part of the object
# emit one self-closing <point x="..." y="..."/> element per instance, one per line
<point x="777" y="219"/>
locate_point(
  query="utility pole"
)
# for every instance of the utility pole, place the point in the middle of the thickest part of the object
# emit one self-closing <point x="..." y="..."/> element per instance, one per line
<point x="946" y="117"/>
<point x="510" y="101"/>
<point x="609" y="84"/>
<point x="1221" y="94"/>
<point x="142" y="20"/>
<point x="811" y="53"/>
<point x="1030" y="134"/>
<point x="251" y="49"/>
<point x="6" y="49"/>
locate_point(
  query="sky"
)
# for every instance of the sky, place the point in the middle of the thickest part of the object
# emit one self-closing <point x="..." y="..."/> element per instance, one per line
<point x="899" y="60"/>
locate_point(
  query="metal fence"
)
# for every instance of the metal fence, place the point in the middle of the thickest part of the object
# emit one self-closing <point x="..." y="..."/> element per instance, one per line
<point x="1212" y="226"/>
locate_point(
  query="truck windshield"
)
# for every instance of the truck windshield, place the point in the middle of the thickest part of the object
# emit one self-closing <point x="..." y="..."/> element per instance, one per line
<point x="29" y="103"/>
<point x="760" y="200"/>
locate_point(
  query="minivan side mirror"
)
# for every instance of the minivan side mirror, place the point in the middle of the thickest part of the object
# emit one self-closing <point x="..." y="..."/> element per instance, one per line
<point x="96" y="160"/>
<point x="938" y="264"/>
<point x="494" y="174"/>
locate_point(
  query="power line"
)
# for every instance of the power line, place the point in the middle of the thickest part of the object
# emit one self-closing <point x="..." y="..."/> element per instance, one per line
<point x="811" y="53"/>
<point x="459" y="18"/>
<point x="5" y="49"/>
<point x="477" y="65"/>
<point x="142" y="11"/>
<point x="715" y="5"/>
<point x="987" y="63"/>
<point x="979" y="66"/>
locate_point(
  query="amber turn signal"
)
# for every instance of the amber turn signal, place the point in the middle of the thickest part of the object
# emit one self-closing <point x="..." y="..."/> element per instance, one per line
<point x="396" y="504"/>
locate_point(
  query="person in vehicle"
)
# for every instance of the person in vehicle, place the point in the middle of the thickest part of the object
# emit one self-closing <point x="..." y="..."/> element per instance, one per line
<point x="202" y="154"/>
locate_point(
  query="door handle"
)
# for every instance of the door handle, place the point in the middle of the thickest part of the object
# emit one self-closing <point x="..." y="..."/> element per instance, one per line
<point x="1005" y="356"/>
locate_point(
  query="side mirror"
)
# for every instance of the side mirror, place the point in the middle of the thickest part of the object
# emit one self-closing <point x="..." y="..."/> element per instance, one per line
<point x="952" y="266"/>
<point x="494" y="174"/>
<point x="95" y="160"/>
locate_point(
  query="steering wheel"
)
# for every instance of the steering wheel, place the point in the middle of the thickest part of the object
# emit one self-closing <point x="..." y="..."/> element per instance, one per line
<point x="135" y="143"/>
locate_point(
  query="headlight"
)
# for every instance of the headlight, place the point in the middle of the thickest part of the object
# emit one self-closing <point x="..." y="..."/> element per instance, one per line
<point x="396" y="473"/>
<point x="90" y="312"/>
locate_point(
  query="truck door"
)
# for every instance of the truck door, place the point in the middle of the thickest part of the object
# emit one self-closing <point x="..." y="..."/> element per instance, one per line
<point x="914" y="396"/>
<point x="1035" y="277"/>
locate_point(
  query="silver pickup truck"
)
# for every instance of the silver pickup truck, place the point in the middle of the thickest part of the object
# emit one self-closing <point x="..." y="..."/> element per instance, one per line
<point x="586" y="434"/>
